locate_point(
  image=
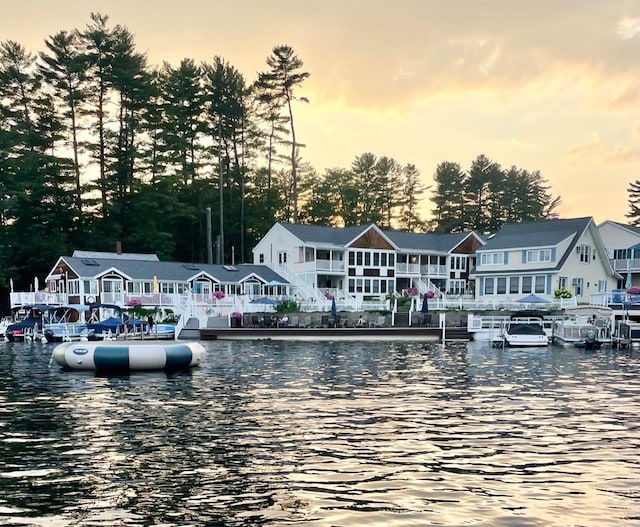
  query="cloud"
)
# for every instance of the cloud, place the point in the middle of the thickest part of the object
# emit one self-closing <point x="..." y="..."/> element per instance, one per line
<point x="628" y="28"/>
<point x="624" y="155"/>
<point x="596" y="150"/>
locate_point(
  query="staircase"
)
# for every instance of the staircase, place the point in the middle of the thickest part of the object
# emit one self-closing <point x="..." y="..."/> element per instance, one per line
<point x="191" y="330"/>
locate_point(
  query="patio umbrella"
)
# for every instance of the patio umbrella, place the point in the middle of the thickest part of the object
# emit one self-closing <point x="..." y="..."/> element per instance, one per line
<point x="334" y="311"/>
<point x="425" y="304"/>
<point x="156" y="289"/>
<point x="264" y="300"/>
<point x="532" y="299"/>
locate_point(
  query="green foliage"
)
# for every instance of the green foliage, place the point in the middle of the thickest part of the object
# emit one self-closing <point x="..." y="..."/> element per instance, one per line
<point x="287" y="306"/>
<point x="562" y="293"/>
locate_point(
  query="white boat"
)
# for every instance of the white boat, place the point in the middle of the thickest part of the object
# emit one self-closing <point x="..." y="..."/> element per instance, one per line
<point x="522" y="331"/>
<point x="124" y="356"/>
<point x="584" y="326"/>
<point x="66" y="323"/>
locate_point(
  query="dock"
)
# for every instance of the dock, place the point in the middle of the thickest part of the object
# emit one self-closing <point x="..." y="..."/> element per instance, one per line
<point x="422" y="334"/>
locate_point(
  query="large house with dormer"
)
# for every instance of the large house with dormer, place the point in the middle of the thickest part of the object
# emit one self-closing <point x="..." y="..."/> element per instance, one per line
<point x="622" y="243"/>
<point x="541" y="257"/>
<point x="89" y="277"/>
<point x="365" y="261"/>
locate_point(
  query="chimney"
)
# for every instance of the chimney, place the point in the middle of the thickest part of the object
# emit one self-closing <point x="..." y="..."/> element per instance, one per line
<point x="118" y="247"/>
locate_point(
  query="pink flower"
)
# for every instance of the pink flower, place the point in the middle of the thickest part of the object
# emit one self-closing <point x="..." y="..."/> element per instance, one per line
<point x="430" y="294"/>
<point x="218" y="294"/>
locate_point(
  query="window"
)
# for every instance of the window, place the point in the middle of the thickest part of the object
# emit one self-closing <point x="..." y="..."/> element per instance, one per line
<point x="514" y="283"/>
<point x="526" y="284"/>
<point x="539" y="255"/>
<point x="391" y="260"/>
<point x="359" y="258"/>
<point x="562" y="282"/>
<point x="383" y="260"/>
<point x="488" y="286"/>
<point x="261" y="258"/>
<point x="73" y="287"/>
<point x="367" y="259"/>
<point x="540" y="284"/>
<point x="578" y="286"/>
<point x="501" y="288"/>
<point x="602" y="286"/>
<point x="352" y="258"/>
<point x="90" y="287"/>
<point x="585" y="253"/>
<point x="376" y="259"/>
<point x="491" y="258"/>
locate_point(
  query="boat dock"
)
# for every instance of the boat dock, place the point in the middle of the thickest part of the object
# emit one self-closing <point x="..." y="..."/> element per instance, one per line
<point x="423" y="334"/>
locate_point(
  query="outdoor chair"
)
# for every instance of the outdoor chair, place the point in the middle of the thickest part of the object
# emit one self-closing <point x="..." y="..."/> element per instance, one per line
<point x="324" y="321"/>
<point x="381" y="322"/>
<point x="255" y="322"/>
<point x="426" y="321"/>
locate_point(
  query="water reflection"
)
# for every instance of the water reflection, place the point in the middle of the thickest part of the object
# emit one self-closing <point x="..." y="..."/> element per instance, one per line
<point x="279" y="433"/>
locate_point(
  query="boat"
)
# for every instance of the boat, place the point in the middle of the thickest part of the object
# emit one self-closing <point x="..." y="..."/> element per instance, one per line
<point x="107" y="322"/>
<point x="28" y="320"/>
<point x="586" y="327"/>
<point x="66" y="323"/>
<point x="522" y="330"/>
<point x="125" y="356"/>
<point x="163" y="331"/>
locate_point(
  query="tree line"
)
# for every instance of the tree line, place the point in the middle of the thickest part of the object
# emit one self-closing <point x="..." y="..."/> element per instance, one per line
<point x="97" y="146"/>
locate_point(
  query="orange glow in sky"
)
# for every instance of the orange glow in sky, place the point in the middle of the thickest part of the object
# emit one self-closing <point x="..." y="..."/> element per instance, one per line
<point x="546" y="85"/>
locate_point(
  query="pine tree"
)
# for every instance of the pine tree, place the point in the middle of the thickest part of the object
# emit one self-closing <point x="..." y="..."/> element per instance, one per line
<point x="279" y="82"/>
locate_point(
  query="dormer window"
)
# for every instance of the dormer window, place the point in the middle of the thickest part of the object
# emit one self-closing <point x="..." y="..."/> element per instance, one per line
<point x="539" y="255"/>
<point x="492" y="258"/>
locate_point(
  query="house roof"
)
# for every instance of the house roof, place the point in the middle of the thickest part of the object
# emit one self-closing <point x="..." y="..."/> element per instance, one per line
<point x="441" y="243"/>
<point x="536" y="234"/>
<point x="342" y="236"/>
<point x="319" y="234"/>
<point x="626" y="226"/>
<point x="168" y="271"/>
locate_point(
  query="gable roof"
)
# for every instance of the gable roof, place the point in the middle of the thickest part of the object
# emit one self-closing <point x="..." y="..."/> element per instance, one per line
<point x="441" y="243"/>
<point x="343" y="236"/>
<point x="546" y="233"/>
<point x="168" y="271"/>
<point x="319" y="234"/>
<point x="625" y="226"/>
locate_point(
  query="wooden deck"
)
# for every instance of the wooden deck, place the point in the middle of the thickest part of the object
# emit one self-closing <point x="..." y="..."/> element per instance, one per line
<point x="428" y="334"/>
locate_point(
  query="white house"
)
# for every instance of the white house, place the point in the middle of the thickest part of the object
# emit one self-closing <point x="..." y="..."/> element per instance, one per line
<point x="540" y="257"/>
<point x="366" y="261"/>
<point x="622" y="243"/>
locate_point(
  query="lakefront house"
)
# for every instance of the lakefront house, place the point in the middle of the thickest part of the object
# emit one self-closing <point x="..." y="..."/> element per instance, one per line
<point x="544" y="257"/>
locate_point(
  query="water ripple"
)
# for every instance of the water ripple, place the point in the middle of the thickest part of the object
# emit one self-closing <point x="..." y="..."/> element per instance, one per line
<point x="325" y="434"/>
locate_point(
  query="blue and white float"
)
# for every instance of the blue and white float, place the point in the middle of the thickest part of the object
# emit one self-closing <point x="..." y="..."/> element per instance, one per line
<point x="118" y="356"/>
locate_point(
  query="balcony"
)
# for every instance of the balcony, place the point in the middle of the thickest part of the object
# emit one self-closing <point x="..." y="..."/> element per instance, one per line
<point x="623" y="265"/>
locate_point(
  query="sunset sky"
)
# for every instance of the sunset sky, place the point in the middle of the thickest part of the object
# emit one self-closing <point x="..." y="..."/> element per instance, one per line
<point x="544" y="85"/>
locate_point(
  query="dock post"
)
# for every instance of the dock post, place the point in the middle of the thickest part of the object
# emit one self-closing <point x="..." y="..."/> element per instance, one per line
<point x="443" y="325"/>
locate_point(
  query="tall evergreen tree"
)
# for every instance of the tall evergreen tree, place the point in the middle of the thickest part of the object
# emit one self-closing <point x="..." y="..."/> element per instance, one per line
<point x="280" y="81"/>
<point x="448" y="198"/>
<point x="634" y="203"/>
<point x="63" y="68"/>
<point x="409" y="218"/>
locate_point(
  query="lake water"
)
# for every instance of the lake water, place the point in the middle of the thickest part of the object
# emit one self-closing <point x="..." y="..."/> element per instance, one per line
<point x="325" y="434"/>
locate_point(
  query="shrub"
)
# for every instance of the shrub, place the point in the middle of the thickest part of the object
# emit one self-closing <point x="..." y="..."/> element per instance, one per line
<point x="287" y="306"/>
<point x="562" y="293"/>
<point x="634" y="290"/>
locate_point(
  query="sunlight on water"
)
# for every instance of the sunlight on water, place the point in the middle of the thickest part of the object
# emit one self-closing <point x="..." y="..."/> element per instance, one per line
<point x="325" y="434"/>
